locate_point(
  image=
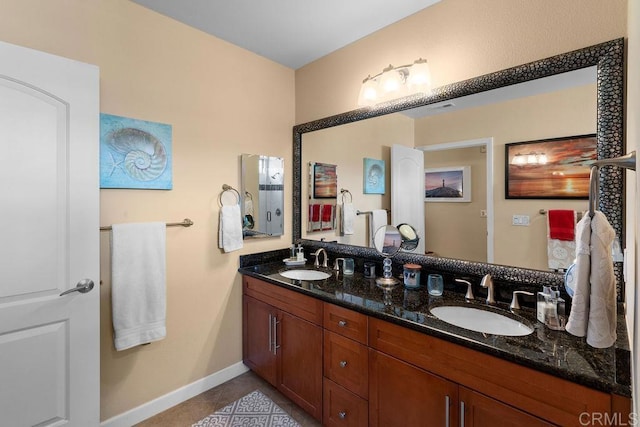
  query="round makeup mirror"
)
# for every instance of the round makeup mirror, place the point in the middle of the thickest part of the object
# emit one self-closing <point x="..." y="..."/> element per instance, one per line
<point x="388" y="241"/>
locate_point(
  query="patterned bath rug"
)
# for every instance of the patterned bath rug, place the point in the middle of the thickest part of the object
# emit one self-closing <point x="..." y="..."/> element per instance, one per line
<point x="255" y="410"/>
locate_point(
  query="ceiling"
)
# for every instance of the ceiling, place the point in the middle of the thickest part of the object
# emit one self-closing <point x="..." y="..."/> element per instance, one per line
<point x="290" y="32"/>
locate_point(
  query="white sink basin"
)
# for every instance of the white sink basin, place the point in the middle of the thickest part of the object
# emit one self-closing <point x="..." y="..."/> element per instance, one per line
<point x="305" y="274"/>
<point x="478" y="320"/>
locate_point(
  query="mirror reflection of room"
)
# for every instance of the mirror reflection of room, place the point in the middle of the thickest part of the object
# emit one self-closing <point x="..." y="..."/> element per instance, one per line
<point x="563" y="107"/>
<point x="262" y="196"/>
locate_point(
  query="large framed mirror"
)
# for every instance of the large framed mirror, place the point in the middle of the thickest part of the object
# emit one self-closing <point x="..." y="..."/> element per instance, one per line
<point x="588" y="81"/>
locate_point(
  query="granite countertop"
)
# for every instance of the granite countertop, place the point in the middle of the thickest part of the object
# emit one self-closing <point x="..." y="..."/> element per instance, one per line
<point x="555" y="352"/>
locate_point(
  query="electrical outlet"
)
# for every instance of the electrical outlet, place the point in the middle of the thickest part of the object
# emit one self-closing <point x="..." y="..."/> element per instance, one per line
<point x="522" y="220"/>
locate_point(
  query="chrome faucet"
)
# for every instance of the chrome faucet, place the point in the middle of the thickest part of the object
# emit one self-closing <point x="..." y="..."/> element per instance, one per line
<point x="317" y="255"/>
<point x="336" y="264"/>
<point x="487" y="282"/>
<point x="515" y="304"/>
<point x="469" y="295"/>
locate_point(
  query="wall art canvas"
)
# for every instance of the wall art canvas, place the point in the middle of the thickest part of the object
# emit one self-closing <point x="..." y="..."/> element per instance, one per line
<point x="447" y="184"/>
<point x="135" y="153"/>
<point x="374" y="176"/>
<point x="555" y="168"/>
<point x="325" y="181"/>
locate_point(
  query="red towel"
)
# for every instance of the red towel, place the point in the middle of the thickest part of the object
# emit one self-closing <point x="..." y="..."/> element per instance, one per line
<point x="314" y="213"/>
<point x="562" y="224"/>
<point x="327" y="217"/>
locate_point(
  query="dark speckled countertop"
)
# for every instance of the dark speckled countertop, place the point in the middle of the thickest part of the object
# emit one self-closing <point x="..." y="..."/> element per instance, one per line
<point x="555" y="352"/>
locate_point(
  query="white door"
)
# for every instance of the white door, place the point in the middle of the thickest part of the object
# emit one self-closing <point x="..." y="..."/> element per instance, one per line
<point x="49" y="199"/>
<point x="407" y="190"/>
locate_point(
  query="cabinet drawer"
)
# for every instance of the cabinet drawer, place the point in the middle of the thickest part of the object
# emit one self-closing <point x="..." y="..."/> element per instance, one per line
<point x="343" y="321"/>
<point x="346" y="362"/>
<point x="303" y="306"/>
<point x="343" y="408"/>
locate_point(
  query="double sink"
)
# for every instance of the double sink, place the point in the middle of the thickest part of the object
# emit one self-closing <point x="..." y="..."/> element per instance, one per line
<point x="464" y="316"/>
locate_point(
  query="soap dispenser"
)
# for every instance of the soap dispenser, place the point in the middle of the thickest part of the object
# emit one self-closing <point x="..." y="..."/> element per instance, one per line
<point x="542" y="301"/>
<point x="555" y="316"/>
<point x="300" y="255"/>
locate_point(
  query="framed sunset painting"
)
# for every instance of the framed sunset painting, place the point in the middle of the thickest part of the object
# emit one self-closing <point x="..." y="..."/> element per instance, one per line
<point x="555" y="168"/>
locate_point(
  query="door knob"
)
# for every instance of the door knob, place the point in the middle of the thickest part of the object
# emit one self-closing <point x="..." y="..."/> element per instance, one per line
<point x="83" y="286"/>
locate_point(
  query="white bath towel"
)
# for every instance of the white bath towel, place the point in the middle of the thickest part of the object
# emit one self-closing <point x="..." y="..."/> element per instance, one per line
<point x="248" y="206"/>
<point x="230" y="228"/>
<point x="560" y="253"/>
<point x="348" y="218"/>
<point x="593" y="308"/>
<point x="138" y="283"/>
<point x="378" y="219"/>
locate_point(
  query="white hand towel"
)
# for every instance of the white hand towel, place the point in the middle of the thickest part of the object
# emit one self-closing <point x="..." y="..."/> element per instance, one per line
<point x="138" y="283"/>
<point x="593" y="307"/>
<point x="560" y="253"/>
<point x="378" y="219"/>
<point x="579" y="316"/>
<point x="601" y="331"/>
<point x="248" y="206"/>
<point x="348" y="218"/>
<point x="230" y="228"/>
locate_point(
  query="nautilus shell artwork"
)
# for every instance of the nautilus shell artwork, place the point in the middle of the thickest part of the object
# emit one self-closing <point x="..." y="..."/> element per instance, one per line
<point x="134" y="153"/>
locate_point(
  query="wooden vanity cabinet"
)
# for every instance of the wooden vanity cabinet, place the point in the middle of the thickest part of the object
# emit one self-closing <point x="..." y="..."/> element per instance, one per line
<point x="282" y="341"/>
<point x="348" y="369"/>
<point x="487" y="385"/>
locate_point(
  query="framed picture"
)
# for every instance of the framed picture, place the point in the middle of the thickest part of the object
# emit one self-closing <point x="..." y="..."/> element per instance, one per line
<point x="135" y="154"/>
<point x="325" y="181"/>
<point x="448" y="184"/>
<point x="373" y="176"/>
<point x="555" y="168"/>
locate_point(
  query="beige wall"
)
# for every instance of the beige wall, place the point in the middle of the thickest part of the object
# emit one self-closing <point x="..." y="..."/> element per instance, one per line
<point x="460" y="39"/>
<point x="156" y="69"/>
<point x="562" y="113"/>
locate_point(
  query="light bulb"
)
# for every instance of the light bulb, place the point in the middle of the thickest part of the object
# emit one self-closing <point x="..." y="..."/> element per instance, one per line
<point x="419" y="80"/>
<point x="368" y="93"/>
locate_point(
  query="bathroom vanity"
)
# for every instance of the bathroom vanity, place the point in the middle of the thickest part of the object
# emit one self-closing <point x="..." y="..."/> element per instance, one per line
<point x="333" y="347"/>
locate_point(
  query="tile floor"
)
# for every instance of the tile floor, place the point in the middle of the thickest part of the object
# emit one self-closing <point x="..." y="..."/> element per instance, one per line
<point x="198" y="407"/>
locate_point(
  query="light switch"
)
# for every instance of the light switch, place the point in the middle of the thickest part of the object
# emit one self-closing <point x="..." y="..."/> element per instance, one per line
<point x="522" y="220"/>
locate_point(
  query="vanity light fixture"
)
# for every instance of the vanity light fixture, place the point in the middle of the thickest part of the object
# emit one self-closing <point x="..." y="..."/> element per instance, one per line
<point x="396" y="82"/>
<point x="529" y="159"/>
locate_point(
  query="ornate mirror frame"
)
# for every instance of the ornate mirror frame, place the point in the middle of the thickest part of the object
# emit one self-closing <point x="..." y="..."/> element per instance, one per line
<point x="609" y="59"/>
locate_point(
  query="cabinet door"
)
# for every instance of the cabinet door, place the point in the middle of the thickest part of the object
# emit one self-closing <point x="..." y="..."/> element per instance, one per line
<point x="478" y="410"/>
<point x="258" y="351"/>
<point x="300" y="360"/>
<point x="403" y="395"/>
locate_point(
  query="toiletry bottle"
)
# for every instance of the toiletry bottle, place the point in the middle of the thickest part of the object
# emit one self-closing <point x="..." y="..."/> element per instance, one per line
<point x="293" y="252"/>
<point x="555" y="315"/>
<point x="542" y="301"/>
<point x="300" y="256"/>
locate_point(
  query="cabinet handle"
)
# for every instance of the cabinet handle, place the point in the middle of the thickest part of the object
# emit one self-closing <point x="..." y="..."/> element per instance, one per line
<point x="270" y="332"/>
<point x="342" y="415"/>
<point x="446" y="411"/>
<point x="275" y="335"/>
<point x="343" y="363"/>
<point x="461" y="413"/>
<point x="342" y="323"/>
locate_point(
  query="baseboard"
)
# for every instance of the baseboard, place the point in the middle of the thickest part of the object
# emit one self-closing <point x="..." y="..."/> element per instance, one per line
<point x="162" y="403"/>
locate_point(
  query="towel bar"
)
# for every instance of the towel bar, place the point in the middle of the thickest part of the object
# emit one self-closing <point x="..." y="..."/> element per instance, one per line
<point x="628" y="161"/>
<point x="185" y="223"/>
